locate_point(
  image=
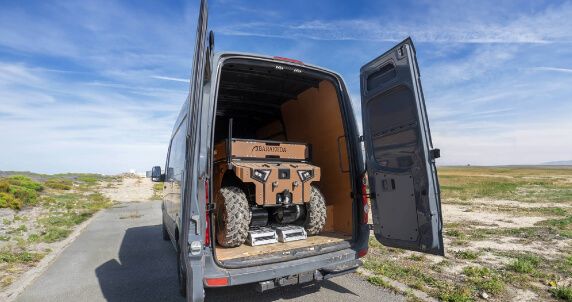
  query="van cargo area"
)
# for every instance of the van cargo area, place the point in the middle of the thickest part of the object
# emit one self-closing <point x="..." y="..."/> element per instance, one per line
<point x="266" y="101"/>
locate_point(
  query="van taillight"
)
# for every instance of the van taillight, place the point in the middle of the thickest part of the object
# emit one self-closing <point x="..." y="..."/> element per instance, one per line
<point x="207" y="214"/>
<point x="216" y="281"/>
<point x="364" y="199"/>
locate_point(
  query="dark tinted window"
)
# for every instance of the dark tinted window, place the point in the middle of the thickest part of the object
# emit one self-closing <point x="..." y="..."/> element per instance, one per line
<point x="176" y="164"/>
<point x="384" y="74"/>
<point x="393" y="127"/>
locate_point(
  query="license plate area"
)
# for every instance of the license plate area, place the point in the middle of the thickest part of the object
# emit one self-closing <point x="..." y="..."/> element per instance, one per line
<point x="288" y="280"/>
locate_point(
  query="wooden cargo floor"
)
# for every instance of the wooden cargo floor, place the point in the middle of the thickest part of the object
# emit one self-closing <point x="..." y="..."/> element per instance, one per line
<point x="244" y="250"/>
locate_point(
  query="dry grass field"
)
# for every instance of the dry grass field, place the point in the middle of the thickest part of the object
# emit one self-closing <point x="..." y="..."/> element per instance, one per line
<point x="508" y="237"/>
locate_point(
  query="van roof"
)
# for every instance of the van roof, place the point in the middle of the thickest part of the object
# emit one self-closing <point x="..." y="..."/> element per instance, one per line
<point x="219" y="55"/>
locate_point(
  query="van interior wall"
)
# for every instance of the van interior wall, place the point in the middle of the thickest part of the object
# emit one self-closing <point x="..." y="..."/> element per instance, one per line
<point x="314" y="117"/>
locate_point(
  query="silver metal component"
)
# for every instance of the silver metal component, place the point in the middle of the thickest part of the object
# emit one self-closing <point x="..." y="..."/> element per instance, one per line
<point x="195" y="219"/>
<point x="261" y="236"/>
<point x="290" y="233"/>
<point x="196" y="247"/>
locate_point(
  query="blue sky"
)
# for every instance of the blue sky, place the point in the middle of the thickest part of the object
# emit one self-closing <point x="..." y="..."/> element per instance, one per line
<point x="95" y="86"/>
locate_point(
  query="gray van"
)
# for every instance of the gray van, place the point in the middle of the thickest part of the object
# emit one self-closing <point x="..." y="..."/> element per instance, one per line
<point x="280" y="98"/>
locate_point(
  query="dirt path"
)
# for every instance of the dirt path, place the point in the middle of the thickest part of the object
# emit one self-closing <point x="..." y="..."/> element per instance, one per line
<point x="130" y="189"/>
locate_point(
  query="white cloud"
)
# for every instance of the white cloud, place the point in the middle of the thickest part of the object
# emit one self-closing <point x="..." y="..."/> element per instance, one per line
<point x="171" y="79"/>
<point x="51" y="128"/>
<point x="490" y="100"/>
<point x="543" y="68"/>
<point x="436" y="26"/>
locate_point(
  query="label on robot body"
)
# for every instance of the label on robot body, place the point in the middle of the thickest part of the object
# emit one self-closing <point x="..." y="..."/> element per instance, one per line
<point x="269" y="149"/>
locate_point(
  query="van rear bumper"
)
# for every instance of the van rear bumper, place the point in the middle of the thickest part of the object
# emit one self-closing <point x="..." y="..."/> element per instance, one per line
<point x="317" y="275"/>
<point x="322" y="266"/>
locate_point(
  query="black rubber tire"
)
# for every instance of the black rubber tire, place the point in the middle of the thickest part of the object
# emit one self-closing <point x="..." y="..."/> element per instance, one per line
<point x="181" y="274"/>
<point x="164" y="231"/>
<point x="233" y="217"/>
<point x="315" y="213"/>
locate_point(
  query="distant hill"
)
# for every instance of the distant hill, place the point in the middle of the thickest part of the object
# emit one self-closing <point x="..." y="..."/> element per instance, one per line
<point x="558" y="163"/>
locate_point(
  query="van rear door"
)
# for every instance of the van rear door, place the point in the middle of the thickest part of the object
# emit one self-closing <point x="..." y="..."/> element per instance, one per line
<point x="400" y="161"/>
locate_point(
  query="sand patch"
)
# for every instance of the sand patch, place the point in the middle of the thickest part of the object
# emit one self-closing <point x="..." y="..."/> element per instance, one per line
<point x="517" y="204"/>
<point x="129" y="189"/>
<point x="550" y="249"/>
<point x="473" y="215"/>
<point x="524" y="295"/>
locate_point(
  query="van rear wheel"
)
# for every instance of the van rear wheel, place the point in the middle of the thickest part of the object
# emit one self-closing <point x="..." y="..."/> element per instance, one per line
<point x="233" y="217"/>
<point x="315" y="212"/>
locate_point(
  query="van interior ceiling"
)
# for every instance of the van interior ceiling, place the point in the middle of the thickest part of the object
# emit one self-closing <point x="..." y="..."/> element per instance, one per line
<point x="269" y="103"/>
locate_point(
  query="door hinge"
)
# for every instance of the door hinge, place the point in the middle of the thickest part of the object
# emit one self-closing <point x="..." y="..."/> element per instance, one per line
<point x="360" y="138"/>
<point x="210" y="207"/>
<point x="371" y="227"/>
<point x="435" y="153"/>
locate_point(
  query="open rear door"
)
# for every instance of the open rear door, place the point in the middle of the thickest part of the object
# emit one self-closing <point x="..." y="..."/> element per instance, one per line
<point x="400" y="161"/>
<point x="193" y="212"/>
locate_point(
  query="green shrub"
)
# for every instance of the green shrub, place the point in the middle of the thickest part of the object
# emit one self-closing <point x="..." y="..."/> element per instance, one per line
<point x="33" y="238"/>
<point x="59" y="184"/>
<point x="53" y="234"/>
<point x="17" y="191"/>
<point x="455" y="233"/>
<point x="89" y="179"/>
<point x="4" y="186"/>
<point x="467" y="255"/>
<point x="378" y="280"/>
<point x="562" y="292"/>
<point x="25" y="182"/>
<point x="26" y="195"/>
<point x="8" y="200"/>
<point x="456" y="294"/>
<point x="524" y="264"/>
<point x="485" y="279"/>
<point x="7" y="256"/>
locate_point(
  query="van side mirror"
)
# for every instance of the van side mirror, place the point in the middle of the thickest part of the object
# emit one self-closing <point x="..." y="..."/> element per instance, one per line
<point x="156" y="175"/>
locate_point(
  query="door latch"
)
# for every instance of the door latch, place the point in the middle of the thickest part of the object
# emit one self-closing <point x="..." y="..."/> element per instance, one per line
<point x="195" y="219"/>
<point x="435" y="153"/>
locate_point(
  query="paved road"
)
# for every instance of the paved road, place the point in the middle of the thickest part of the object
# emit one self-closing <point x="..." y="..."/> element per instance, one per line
<point x="120" y="257"/>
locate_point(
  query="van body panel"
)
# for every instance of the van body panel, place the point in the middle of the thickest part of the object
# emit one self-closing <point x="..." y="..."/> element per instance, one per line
<point x="193" y="207"/>
<point x="205" y="263"/>
<point x="188" y="207"/>
<point x="405" y="196"/>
